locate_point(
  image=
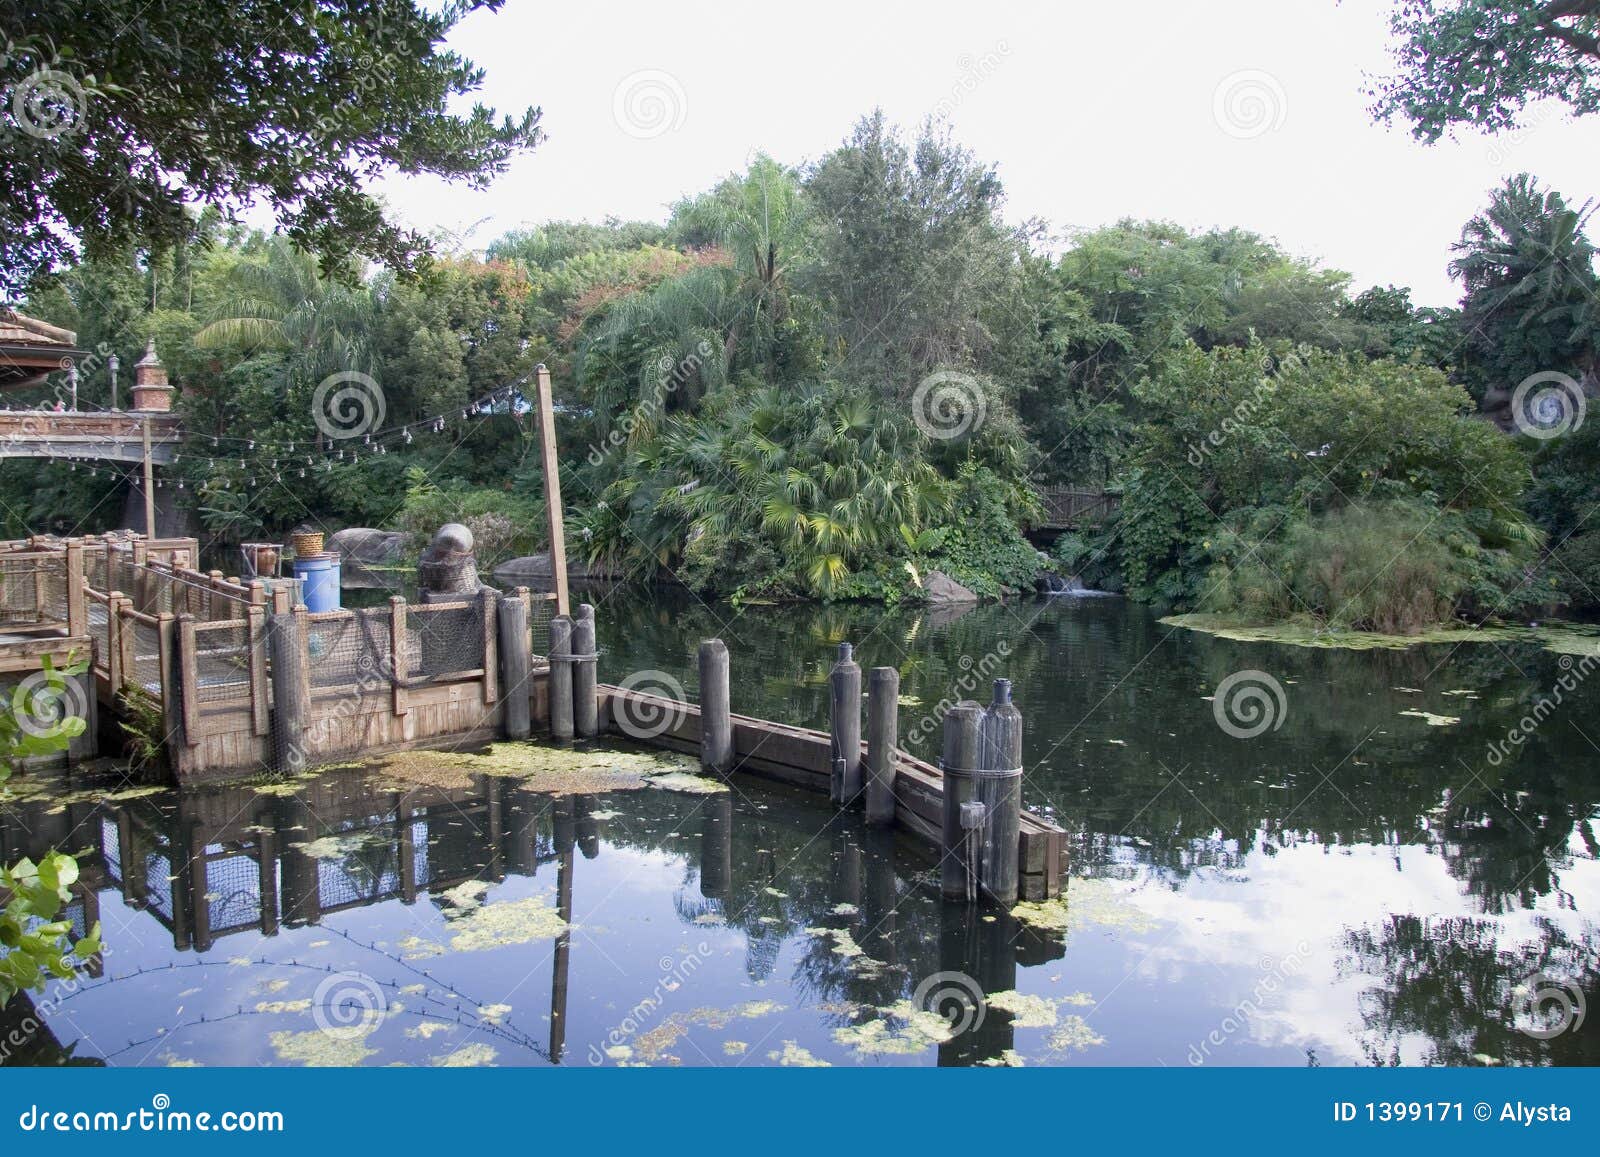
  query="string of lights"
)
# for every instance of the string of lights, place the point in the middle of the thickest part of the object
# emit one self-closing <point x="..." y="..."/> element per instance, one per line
<point x="259" y="459"/>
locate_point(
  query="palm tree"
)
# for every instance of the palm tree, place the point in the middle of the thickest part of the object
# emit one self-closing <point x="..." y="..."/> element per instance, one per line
<point x="278" y="301"/>
<point x="1530" y="281"/>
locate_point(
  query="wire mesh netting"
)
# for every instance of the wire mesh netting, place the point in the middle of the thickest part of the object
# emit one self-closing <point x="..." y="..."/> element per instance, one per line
<point x="158" y="875"/>
<point x="146" y="672"/>
<point x="111" y="848"/>
<point x="33" y="589"/>
<point x="222" y="660"/>
<point x="540" y="612"/>
<point x="446" y="639"/>
<point x="349" y="647"/>
<point x="233" y="890"/>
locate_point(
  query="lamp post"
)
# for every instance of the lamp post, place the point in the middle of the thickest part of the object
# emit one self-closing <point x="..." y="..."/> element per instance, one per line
<point x="111" y="367"/>
<point x="72" y="383"/>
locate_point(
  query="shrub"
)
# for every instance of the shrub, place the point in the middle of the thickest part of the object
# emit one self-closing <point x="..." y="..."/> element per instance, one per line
<point x="1395" y="567"/>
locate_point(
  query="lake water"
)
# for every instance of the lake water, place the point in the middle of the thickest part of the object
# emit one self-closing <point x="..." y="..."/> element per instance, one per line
<point x="1362" y="882"/>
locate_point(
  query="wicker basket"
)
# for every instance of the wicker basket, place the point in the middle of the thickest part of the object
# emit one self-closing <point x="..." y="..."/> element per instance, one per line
<point x="306" y="543"/>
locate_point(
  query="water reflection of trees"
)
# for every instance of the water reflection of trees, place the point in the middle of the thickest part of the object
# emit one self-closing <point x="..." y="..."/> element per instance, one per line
<point x="1454" y="983"/>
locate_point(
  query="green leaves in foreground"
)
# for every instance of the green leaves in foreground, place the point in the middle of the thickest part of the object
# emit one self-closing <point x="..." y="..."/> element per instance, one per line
<point x="34" y="943"/>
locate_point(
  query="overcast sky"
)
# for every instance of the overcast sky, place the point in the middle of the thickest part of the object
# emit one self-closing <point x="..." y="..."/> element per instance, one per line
<point x="1227" y="112"/>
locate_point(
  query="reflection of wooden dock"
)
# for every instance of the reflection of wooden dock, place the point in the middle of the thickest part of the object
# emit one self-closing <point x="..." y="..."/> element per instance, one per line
<point x="803" y="758"/>
<point x="199" y="649"/>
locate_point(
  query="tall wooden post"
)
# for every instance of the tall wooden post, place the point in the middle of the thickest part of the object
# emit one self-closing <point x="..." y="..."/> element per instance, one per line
<point x="1000" y="789"/>
<point x="149" y="483"/>
<point x="844" y="683"/>
<point x="77" y="608"/>
<point x="585" y="693"/>
<point x="716" y="718"/>
<point x="291" y="700"/>
<point x="552" y="488"/>
<point x="515" y="661"/>
<point x="883" y="739"/>
<point x="561" y="722"/>
<point x="962" y="826"/>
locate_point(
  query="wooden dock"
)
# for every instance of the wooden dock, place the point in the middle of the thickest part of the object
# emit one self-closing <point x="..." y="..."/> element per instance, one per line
<point x="197" y="648"/>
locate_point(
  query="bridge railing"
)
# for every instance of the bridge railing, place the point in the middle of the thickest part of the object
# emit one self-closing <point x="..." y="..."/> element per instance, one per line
<point x="1067" y="508"/>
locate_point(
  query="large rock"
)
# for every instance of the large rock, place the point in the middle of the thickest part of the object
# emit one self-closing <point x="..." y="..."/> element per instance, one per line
<point x="535" y="569"/>
<point x="368" y="547"/>
<point x="941" y="589"/>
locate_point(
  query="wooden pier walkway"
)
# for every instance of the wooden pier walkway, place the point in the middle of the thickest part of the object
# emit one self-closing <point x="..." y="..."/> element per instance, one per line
<point x="206" y="654"/>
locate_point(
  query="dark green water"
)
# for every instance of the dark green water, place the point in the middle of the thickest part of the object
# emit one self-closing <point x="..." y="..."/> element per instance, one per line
<point x="1353" y="885"/>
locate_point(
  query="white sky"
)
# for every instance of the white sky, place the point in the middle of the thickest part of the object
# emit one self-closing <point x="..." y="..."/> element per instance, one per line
<point x="1092" y="111"/>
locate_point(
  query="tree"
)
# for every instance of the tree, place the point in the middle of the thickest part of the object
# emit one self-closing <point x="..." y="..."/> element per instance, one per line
<point x="1528" y="271"/>
<point x="1482" y="62"/>
<point x="910" y="249"/>
<point x="125" y="113"/>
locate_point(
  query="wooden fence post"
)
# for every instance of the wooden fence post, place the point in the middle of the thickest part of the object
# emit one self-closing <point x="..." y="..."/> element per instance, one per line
<point x="962" y="820"/>
<point x="77" y="609"/>
<point x="291" y="698"/>
<point x="844" y="683"/>
<point x="585" y="674"/>
<point x="487" y="598"/>
<point x="256" y="639"/>
<point x="562" y="726"/>
<point x="399" y="663"/>
<point x="716" y="712"/>
<point x="114" y="641"/>
<point x="883" y="740"/>
<point x="552" y="487"/>
<point x="1000" y="789"/>
<point x="516" y="660"/>
<point x="188" y="680"/>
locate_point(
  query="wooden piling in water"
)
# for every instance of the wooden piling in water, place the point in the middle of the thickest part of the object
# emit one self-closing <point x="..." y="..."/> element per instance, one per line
<point x="1000" y="790"/>
<point x="844" y="683"/>
<point x="291" y="700"/>
<point x="716" y="712"/>
<point x="962" y="814"/>
<point x="516" y="660"/>
<point x="585" y="676"/>
<point x="883" y="739"/>
<point x="716" y="846"/>
<point x="561" y="721"/>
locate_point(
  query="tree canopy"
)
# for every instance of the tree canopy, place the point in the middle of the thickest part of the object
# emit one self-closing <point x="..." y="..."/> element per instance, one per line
<point x="127" y="115"/>
<point x="1483" y="62"/>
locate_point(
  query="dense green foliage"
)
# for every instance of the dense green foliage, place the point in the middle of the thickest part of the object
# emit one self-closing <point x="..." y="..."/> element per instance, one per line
<point x="833" y="381"/>
<point x="34" y="944"/>
<point x="127" y="112"/>
<point x="1482" y="62"/>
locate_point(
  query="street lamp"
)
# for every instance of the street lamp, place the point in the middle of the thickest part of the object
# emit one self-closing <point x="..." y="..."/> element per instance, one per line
<point x="111" y="365"/>
<point x="72" y="382"/>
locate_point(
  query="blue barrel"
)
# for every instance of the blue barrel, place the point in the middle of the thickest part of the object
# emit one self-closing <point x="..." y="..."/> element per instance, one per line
<point x="319" y="581"/>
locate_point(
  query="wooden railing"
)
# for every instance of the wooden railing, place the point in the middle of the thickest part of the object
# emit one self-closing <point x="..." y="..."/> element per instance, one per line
<point x="1066" y="508"/>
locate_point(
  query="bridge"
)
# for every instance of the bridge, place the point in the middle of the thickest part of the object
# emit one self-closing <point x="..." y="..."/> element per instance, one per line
<point x="128" y="437"/>
<point x="1069" y="508"/>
